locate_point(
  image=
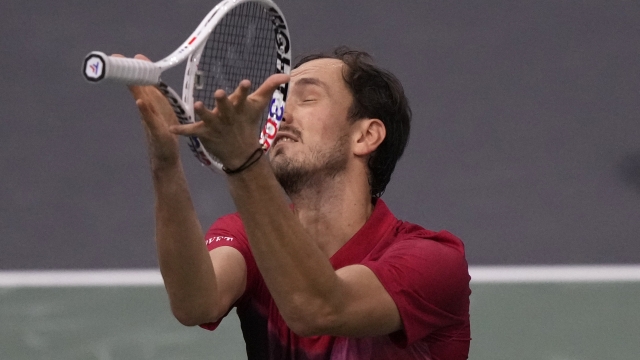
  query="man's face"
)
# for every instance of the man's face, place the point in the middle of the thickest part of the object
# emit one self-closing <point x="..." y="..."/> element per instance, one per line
<point x="313" y="141"/>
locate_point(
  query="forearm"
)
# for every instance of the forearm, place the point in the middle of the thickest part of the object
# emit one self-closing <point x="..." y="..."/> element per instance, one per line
<point x="183" y="257"/>
<point x="298" y="274"/>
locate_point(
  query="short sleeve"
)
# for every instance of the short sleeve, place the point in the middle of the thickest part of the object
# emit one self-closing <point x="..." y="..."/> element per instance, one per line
<point x="429" y="283"/>
<point x="229" y="231"/>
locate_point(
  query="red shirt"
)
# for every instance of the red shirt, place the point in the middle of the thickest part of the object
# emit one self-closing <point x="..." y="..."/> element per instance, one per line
<point x="425" y="272"/>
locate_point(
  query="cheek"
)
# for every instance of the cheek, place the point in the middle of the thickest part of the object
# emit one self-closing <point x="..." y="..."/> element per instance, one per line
<point x="328" y="137"/>
<point x="320" y="125"/>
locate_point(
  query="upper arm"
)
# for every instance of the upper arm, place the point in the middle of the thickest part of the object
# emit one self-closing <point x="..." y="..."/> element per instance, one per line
<point x="231" y="278"/>
<point x="230" y="255"/>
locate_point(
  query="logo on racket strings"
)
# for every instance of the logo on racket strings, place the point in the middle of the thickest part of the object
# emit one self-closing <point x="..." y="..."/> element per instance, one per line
<point x="283" y="66"/>
<point x="276" y="113"/>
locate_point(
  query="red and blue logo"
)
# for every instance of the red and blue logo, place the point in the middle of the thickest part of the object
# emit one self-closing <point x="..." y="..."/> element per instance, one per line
<point x="95" y="67"/>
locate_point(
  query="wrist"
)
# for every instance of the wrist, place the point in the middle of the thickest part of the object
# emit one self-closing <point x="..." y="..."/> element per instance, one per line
<point x="250" y="160"/>
<point x="163" y="167"/>
<point x="163" y="158"/>
<point x="260" y="169"/>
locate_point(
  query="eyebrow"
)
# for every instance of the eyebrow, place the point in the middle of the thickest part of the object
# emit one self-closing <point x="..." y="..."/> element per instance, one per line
<point x="307" y="81"/>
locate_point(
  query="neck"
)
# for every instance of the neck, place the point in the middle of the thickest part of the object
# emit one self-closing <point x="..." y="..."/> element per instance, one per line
<point x="332" y="211"/>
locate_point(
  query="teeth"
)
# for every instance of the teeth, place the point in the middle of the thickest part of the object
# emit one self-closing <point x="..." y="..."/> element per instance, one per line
<point x="285" y="139"/>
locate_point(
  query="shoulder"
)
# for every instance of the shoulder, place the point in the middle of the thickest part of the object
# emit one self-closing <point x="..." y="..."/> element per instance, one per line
<point x="230" y="223"/>
<point x="426" y="274"/>
<point x="227" y="230"/>
<point x="401" y="234"/>
<point x="414" y="234"/>
<point x="427" y="250"/>
<point x="406" y="242"/>
<point x="424" y="259"/>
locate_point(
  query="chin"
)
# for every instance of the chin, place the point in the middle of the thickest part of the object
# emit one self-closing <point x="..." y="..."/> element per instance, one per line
<point x="276" y="150"/>
<point x="276" y="155"/>
<point x="281" y="153"/>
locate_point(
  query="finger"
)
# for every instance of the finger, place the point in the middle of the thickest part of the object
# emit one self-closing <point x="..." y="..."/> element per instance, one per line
<point x="147" y="92"/>
<point x="141" y="57"/>
<point x="223" y="104"/>
<point x="203" y="113"/>
<point x="240" y="94"/>
<point x="193" y="129"/>
<point x="146" y="108"/>
<point x="137" y="91"/>
<point x="265" y="91"/>
<point x="148" y="113"/>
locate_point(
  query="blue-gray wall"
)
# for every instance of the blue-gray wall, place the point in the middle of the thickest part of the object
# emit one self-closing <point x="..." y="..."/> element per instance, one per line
<point x="525" y="140"/>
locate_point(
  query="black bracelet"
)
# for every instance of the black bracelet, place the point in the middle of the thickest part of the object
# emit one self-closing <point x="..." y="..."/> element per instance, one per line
<point x="250" y="161"/>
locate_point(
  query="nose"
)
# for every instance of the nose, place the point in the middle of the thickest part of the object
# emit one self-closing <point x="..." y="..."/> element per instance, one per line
<point x="287" y="117"/>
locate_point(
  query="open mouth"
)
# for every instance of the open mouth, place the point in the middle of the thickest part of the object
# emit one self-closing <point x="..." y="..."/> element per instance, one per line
<point x="283" y="138"/>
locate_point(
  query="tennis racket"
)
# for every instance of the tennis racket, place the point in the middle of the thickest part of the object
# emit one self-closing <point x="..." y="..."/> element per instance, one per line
<point x="237" y="40"/>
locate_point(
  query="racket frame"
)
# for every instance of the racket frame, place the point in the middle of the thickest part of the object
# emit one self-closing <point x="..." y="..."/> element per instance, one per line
<point x="140" y="72"/>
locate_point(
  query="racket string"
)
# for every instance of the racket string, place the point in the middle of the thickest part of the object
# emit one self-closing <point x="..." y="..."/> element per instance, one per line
<point x="242" y="46"/>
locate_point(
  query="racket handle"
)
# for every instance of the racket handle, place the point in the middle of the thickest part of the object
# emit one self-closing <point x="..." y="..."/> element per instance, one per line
<point x="98" y="66"/>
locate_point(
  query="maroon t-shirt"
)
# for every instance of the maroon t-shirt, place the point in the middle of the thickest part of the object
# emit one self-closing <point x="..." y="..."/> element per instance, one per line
<point x="425" y="272"/>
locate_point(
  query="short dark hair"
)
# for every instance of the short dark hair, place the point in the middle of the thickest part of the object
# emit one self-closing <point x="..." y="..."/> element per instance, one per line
<point x="377" y="94"/>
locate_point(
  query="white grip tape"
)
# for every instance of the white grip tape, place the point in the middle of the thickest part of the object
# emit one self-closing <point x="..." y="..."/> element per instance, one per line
<point x="98" y="66"/>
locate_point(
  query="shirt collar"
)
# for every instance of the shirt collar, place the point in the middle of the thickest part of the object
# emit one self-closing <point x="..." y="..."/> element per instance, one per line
<point x="361" y="244"/>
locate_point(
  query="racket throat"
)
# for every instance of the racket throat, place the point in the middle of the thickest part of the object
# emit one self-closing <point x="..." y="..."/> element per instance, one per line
<point x="198" y="81"/>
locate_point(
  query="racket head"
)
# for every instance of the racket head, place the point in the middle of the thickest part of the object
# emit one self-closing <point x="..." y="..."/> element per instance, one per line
<point x="247" y="39"/>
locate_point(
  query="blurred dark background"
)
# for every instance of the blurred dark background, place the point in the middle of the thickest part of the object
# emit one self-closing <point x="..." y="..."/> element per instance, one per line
<point x="525" y="139"/>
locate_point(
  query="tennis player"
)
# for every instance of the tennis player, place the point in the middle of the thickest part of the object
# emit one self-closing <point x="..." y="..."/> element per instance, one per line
<point x="325" y="271"/>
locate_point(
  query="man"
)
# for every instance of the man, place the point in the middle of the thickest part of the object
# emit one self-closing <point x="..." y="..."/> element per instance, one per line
<point x="333" y="275"/>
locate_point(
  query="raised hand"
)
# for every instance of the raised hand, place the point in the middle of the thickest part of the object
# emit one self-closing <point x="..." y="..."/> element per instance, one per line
<point x="230" y="131"/>
<point x="157" y="118"/>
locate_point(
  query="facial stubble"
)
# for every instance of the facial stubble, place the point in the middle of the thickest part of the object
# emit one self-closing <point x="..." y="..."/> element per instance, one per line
<point x="296" y="175"/>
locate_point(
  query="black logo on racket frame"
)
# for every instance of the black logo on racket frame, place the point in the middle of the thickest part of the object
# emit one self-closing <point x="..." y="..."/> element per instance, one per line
<point x="183" y="118"/>
<point x="283" y="45"/>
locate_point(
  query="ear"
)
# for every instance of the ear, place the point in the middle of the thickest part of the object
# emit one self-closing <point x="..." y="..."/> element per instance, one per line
<point x="367" y="135"/>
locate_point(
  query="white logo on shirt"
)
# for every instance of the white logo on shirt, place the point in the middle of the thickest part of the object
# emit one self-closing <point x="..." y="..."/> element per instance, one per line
<point x="219" y="238"/>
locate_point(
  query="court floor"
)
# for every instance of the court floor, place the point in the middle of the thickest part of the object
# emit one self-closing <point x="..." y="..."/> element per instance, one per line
<point x="510" y="321"/>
